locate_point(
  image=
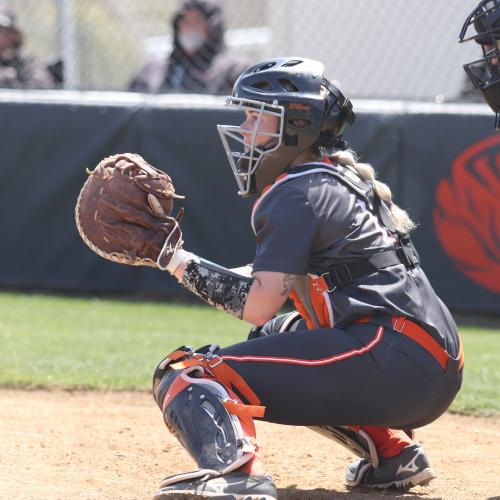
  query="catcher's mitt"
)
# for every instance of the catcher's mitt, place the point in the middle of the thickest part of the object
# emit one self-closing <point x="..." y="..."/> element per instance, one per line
<point x="123" y="212"/>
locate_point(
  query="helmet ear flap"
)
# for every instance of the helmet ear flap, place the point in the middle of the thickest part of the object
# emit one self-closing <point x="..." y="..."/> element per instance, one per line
<point x="337" y="115"/>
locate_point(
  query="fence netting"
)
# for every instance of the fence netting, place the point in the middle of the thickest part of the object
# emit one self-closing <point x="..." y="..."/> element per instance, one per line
<point x="400" y="49"/>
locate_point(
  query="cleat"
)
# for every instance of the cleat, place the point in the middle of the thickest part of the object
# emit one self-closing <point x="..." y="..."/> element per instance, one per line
<point x="410" y="468"/>
<point x="233" y="486"/>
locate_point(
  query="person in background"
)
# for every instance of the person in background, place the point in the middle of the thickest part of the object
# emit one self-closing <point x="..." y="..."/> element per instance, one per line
<point x="484" y="73"/>
<point x="18" y="70"/>
<point x="199" y="61"/>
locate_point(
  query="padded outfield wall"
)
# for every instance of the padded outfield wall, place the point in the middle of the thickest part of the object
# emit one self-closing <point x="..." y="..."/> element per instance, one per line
<point x="441" y="161"/>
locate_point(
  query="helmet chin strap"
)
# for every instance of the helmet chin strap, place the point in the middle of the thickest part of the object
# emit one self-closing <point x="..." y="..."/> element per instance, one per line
<point x="269" y="144"/>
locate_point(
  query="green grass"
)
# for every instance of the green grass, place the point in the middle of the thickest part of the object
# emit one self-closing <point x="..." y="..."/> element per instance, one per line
<point x="54" y="341"/>
<point x="480" y="393"/>
<point x="109" y="344"/>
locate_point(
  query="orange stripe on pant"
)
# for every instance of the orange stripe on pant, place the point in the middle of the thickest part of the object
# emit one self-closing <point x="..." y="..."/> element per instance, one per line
<point x="310" y="362"/>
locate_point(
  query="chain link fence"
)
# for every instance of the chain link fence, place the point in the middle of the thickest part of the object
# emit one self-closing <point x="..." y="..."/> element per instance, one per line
<point x="376" y="48"/>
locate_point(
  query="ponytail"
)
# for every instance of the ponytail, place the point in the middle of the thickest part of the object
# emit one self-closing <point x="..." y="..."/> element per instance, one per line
<point x="400" y="217"/>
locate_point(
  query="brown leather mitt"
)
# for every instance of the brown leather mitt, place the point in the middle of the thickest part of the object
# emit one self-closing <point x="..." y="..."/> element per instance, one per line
<point x="123" y="212"/>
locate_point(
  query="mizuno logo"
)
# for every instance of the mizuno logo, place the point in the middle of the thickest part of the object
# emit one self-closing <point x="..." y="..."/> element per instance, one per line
<point x="221" y="487"/>
<point x="411" y="466"/>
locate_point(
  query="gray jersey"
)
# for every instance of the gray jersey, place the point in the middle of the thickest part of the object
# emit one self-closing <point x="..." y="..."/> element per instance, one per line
<point x="310" y="222"/>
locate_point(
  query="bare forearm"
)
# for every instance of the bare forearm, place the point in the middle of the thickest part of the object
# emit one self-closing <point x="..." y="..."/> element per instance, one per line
<point x="267" y="295"/>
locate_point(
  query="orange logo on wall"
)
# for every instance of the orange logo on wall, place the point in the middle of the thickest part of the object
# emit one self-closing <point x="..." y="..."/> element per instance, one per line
<point x="467" y="214"/>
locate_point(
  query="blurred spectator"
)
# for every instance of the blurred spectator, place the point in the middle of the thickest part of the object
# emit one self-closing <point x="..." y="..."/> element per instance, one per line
<point x="199" y="62"/>
<point x="18" y="70"/>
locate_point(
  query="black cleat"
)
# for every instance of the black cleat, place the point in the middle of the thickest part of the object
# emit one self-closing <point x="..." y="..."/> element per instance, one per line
<point x="233" y="486"/>
<point x="410" y="468"/>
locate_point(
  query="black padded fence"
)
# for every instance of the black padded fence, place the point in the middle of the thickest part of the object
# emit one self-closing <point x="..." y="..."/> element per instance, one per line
<point x="441" y="162"/>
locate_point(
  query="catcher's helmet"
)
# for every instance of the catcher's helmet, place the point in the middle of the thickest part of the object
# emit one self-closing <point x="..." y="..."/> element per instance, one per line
<point x="311" y="111"/>
<point x="485" y="72"/>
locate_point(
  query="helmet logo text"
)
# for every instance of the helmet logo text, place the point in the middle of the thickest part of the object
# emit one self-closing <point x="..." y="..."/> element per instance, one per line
<point x="299" y="106"/>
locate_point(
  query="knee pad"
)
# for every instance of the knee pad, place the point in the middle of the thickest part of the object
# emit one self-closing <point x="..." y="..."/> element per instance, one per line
<point x="194" y="410"/>
<point x="288" y="322"/>
<point x="163" y="375"/>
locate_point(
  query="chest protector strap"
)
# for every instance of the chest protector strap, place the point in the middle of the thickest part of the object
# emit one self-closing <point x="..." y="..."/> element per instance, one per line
<point x="404" y="253"/>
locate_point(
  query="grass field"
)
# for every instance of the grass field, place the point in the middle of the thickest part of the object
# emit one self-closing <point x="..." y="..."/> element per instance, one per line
<point x="109" y="344"/>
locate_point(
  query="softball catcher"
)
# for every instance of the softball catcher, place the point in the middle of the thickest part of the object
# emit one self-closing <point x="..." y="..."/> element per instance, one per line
<point x="370" y="352"/>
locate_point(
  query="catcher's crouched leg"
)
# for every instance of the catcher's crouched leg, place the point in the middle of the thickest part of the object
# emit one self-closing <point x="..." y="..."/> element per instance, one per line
<point x="222" y="444"/>
<point x="410" y="467"/>
<point x="288" y="322"/>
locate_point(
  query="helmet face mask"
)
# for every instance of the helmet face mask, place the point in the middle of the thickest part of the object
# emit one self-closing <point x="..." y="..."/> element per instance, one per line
<point x="484" y="73"/>
<point x="483" y="21"/>
<point x="310" y="111"/>
<point x="245" y="157"/>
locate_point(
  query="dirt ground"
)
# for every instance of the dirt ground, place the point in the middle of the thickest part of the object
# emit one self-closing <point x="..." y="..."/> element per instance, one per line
<point x="113" y="445"/>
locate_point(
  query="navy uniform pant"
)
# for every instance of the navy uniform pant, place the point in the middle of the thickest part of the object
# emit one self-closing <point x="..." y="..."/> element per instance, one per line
<point x="364" y="374"/>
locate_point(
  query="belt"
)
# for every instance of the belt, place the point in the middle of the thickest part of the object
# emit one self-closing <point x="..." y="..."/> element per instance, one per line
<point x="403" y="325"/>
<point x="415" y="332"/>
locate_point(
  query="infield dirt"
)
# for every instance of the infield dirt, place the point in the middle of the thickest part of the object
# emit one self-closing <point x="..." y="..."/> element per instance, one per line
<point x="114" y="445"/>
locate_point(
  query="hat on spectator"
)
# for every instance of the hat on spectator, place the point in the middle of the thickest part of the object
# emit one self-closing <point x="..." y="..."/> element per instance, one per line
<point x="8" y="22"/>
<point x="7" y="17"/>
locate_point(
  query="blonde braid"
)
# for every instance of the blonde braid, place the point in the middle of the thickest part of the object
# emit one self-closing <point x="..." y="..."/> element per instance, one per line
<point x="400" y="217"/>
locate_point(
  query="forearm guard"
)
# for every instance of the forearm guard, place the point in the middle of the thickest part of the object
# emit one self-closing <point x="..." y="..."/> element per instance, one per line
<point x="217" y="285"/>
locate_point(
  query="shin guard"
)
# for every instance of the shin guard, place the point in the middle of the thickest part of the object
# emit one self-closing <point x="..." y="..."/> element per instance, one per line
<point x="198" y="411"/>
<point x="359" y="442"/>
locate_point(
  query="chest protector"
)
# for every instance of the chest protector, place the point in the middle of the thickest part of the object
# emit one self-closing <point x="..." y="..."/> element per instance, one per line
<point x="311" y="294"/>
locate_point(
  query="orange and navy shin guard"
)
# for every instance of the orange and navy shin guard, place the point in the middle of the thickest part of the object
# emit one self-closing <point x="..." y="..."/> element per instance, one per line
<point x="209" y="420"/>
